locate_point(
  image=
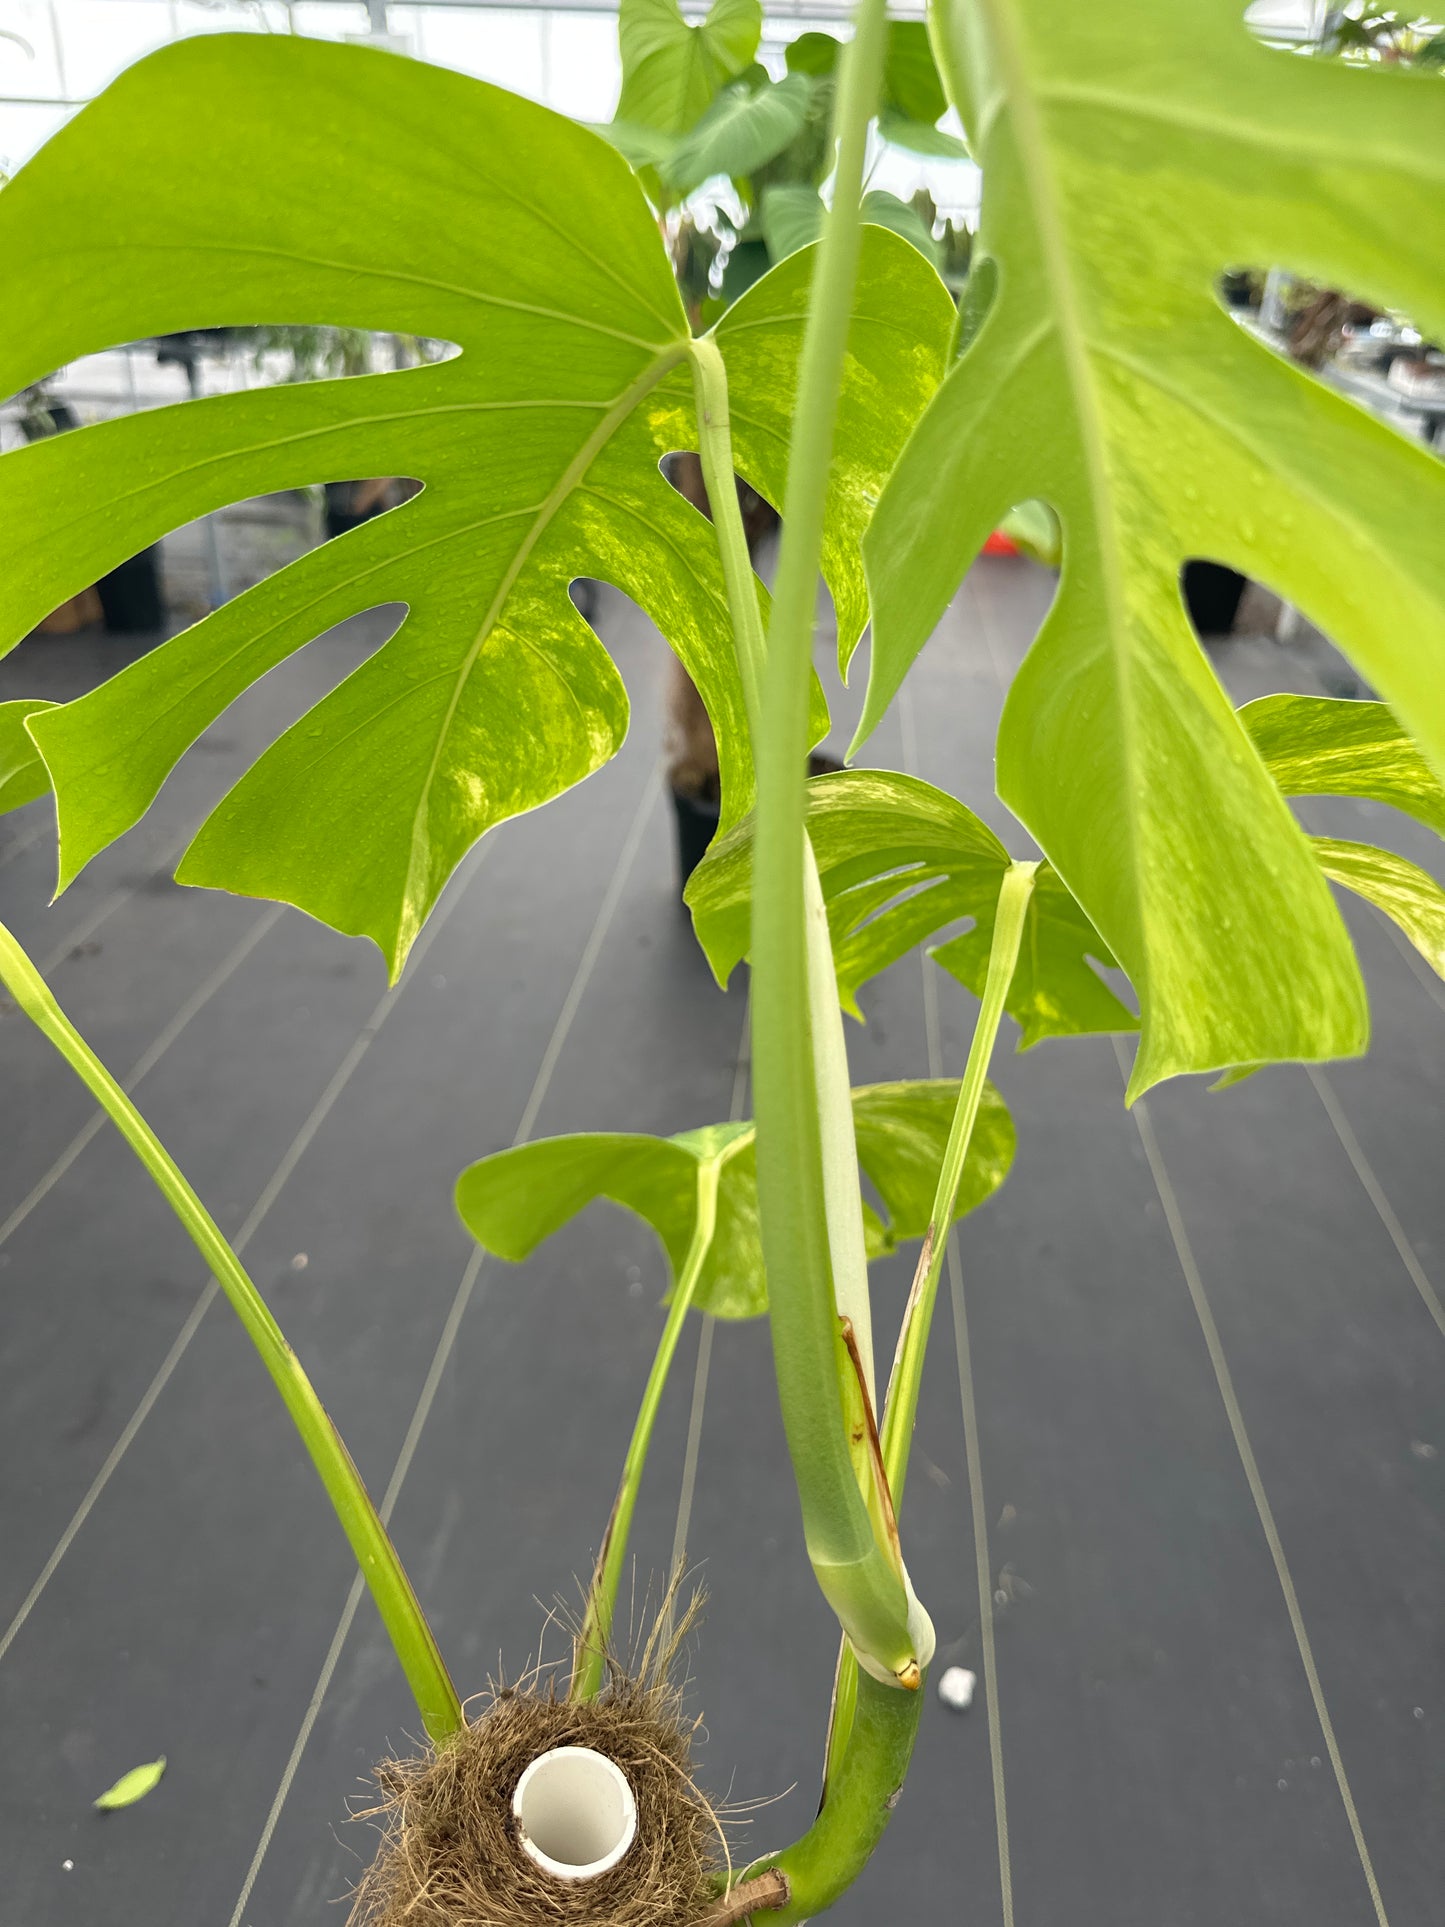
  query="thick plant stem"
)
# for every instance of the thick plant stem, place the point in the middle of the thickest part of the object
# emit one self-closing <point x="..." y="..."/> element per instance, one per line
<point x="836" y="1848"/>
<point x="904" y="1381"/>
<point x="397" y="1603"/>
<point x="589" y="1658"/>
<point x="855" y="1574"/>
<point x="715" y="447"/>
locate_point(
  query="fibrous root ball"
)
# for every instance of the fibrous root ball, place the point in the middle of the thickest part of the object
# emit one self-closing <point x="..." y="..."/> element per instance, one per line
<point x="453" y="1853"/>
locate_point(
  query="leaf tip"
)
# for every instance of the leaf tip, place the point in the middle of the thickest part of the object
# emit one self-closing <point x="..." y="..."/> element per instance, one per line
<point x="867" y="723"/>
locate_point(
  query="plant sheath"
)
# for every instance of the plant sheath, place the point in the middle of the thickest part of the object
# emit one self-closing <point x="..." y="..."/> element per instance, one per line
<point x="901" y="1408"/>
<point x="715" y="449"/>
<point x="855" y="1574"/>
<point x="397" y="1603"/>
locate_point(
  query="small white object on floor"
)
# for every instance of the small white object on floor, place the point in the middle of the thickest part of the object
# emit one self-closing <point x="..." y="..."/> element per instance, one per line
<point x="67" y="1866"/>
<point x="955" y="1688"/>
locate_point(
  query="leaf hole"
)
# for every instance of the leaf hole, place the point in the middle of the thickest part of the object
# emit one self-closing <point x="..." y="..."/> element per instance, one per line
<point x="683" y="469"/>
<point x="1231" y="615"/>
<point x="1374" y="356"/>
<point x="1361" y="33"/>
<point x="136" y="376"/>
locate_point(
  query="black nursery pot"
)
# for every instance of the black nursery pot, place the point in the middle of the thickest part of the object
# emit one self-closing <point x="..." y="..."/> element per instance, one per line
<point x="1212" y="596"/>
<point x="697" y="821"/>
<point x="130" y="596"/>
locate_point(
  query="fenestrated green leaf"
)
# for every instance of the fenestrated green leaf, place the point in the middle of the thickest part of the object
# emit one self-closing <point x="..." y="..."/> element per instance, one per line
<point x="897" y="859"/>
<point x="900" y="860"/>
<point x="132" y="1786"/>
<point x="169" y="202"/>
<point x="739" y="132"/>
<point x="23" y="776"/>
<point x="1318" y="746"/>
<point x="1407" y="894"/>
<point x="538" y="446"/>
<point x="1129" y="156"/>
<point x="512" y="1201"/>
<point x="671" y="71"/>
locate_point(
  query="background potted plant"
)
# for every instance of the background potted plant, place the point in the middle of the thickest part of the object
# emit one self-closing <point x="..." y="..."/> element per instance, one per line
<point x="733" y="160"/>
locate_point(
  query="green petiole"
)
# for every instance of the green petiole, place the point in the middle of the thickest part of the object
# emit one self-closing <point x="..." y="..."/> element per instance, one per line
<point x="903" y="1385"/>
<point x="405" y="1623"/>
<point x="902" y="1403"/>
<point x="589" y="1661"/>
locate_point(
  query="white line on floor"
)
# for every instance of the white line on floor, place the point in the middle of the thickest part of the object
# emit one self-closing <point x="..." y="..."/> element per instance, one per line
<point x="1194" y="1280"/>
<point x="107" y="907"/>
<point x="292" y="1157"/>
<point x="144" y="1064"/>
<point x="983" y="1560"/>
<point x="1375" y="1191"/>
<point x="24" y="840"/>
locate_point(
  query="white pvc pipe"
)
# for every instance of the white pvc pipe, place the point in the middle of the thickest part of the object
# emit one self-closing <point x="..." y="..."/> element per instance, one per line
<point x="575" y="1812"/>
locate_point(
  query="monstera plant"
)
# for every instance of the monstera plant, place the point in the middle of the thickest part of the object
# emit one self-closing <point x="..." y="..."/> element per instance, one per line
<point x="1129" y="157"/>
